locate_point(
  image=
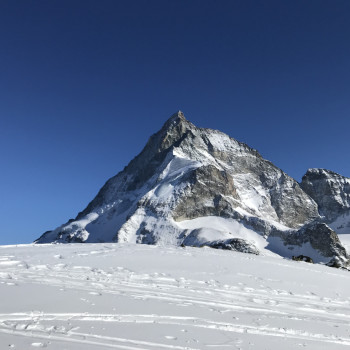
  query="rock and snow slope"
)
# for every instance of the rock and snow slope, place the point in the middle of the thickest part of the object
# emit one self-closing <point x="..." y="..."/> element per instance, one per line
<point x="196" y="186"/>
<point x="127" y="296"/>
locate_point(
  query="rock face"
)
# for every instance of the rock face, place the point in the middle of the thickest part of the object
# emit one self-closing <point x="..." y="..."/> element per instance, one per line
<point x="331" y="192"/>
<point x="319" y="237"/>
<point x="196" y="186"/>
<point x="236" y="244"/>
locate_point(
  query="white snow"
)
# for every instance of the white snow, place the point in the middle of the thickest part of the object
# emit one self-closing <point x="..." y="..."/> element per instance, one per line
<point x="115" y="296"/>
<point x="221" y="141"/>
<point x="342" y="224"/>
<point x="277" y="245"/>
<point x="213" y="228"/>
<point x="345" y="241"/>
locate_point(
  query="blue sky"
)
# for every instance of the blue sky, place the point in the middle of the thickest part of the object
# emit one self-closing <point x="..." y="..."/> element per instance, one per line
<point x="83" y="84"/>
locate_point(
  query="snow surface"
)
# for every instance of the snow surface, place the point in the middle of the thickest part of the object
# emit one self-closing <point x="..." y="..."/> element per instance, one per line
<point x="115" y="296"/>
<point x="211" y="228"/>
<point x="345" y="241"/>
<point x="342" y="224"/>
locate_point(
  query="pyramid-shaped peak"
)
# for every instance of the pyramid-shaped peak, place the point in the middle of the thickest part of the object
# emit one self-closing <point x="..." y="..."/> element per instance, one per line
<point x="177" y="119"/>
<point x="177" y="116"/>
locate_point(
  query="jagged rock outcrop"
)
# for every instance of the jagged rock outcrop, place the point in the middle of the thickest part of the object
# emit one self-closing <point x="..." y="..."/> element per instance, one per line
<point x="195" y="186"/>
<point x="331" y="192"/>
<point x="303" y="258"/>
<point x="236" y="244"/>
<point x="315" y="237"/>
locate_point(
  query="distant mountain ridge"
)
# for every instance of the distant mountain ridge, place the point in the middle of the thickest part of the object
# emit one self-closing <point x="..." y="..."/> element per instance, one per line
<point x="194" y="186"/>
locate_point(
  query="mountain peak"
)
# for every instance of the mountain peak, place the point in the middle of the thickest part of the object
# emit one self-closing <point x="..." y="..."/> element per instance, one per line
<point x="178" y="115"/>
<point x="175" y="119"/>
<point x="173" y="130"/>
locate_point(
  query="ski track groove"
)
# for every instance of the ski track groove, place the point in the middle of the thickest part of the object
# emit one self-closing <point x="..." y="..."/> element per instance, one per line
<point x="7" y="326"/>
<point x="291" y="304"/>
<point x="166" y="289"/>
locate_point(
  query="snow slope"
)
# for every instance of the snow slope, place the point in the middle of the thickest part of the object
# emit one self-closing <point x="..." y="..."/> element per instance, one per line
<point x="127" y="296"/>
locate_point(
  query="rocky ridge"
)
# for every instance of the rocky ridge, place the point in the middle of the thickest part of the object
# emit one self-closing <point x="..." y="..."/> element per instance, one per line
<point x="194" y="186"/>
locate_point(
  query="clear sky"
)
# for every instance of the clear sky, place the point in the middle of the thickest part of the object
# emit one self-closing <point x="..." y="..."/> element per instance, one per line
<point x="83" y="84"/>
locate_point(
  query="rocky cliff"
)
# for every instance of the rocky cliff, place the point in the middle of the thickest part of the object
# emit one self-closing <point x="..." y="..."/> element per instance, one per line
<point x="331" y="192"/>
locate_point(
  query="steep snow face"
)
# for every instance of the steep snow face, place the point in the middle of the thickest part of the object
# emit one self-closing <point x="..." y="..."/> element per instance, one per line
<point x="331" y="192"/>
<point x="187" y="173"/>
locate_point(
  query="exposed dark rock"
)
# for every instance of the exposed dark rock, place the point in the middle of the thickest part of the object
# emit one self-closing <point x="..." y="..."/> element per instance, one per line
<point x="207" y="187"/>
<point x="320" y="237"/>
<point x="330" y="190"/>
<point x="303" y="258"/>
<point x="335" y="262"/>
<point x="145" y="236"/>
<point x="236" y="244"/>
<point x="42" y="236"/>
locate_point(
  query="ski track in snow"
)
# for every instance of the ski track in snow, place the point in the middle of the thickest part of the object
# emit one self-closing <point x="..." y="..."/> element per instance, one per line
<point x="146" y="297"/>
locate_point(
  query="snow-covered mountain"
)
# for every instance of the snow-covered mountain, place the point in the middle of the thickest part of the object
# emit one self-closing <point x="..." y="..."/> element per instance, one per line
<point x="194" y="186"/>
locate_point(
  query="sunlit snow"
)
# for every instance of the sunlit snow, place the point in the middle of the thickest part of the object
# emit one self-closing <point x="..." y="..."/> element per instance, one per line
<point x="103" y="296"/>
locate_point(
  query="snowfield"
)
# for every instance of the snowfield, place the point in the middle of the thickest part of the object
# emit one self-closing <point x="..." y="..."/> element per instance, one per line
<point x="115" y="296"/>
